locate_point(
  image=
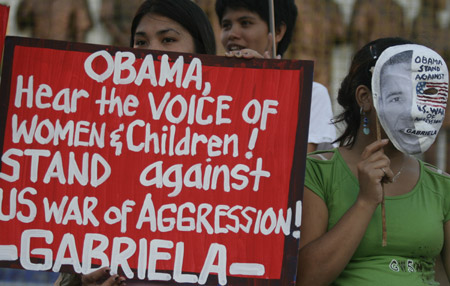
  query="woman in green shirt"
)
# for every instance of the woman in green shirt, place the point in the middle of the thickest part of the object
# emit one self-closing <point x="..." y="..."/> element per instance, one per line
<point x="341" y="241"/>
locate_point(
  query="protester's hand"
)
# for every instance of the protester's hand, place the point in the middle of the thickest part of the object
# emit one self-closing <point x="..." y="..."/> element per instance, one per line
<point x="373" y="170"/>
<point x="269" y="48"/>
<point x="102" y="277"/>
<point x="252" y="54"/>
<point x="244" y="53"/>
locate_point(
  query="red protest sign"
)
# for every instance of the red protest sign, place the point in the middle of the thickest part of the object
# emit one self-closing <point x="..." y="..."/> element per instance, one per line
<point x="167" y="167"/>
<point x="4" y="14"/>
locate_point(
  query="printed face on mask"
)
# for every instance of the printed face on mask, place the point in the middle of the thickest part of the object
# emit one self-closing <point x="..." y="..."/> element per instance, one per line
<point x="410" y="91"/>
<point x="396" y="104"/>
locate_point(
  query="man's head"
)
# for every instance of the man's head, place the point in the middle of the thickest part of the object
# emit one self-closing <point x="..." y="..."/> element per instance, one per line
<point x="285" y="17"/>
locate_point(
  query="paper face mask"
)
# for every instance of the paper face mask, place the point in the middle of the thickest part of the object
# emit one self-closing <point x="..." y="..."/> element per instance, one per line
<point x="410" y="91"/>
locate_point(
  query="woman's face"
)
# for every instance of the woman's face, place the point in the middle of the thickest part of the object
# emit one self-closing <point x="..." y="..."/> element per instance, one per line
<point x="243" y="29"/>
<point x="396" y="105"/>
<point x="156" y="32"/>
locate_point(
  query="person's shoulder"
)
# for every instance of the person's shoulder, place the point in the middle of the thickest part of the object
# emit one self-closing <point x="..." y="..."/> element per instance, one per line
<point x="436" y="181"/>
<point x="437" y="173"/>
<point x="319" y="89"/>
<point x="319" y="86"/>
<point x="320" y="168"/>
<point x="434" y="169"/>
<point x="322" y="155"/>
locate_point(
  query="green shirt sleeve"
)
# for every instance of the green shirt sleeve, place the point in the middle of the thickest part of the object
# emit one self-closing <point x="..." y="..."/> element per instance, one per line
<point x="314" y="179"/>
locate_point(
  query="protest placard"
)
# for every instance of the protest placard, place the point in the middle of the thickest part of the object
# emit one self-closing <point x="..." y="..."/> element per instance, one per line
<point x="4" y="16"/>
<point x="164" y="166"/>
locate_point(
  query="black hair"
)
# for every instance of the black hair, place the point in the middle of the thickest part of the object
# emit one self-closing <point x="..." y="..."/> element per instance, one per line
<point x="400" y="58"/>
<point x="360" y="73"/>
<point x="285" y="13"/>
<point x="187" y="14"/>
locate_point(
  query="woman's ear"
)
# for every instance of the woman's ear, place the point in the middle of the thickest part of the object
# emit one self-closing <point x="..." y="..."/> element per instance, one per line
<point x="280" y="31"/>
<point x="364" y="98"/>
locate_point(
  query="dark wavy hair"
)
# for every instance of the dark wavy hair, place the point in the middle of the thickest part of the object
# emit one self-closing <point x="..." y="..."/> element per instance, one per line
<point x="359" y="74"/>
<point x="285" y="13"/>
<point x="187" y="14"/>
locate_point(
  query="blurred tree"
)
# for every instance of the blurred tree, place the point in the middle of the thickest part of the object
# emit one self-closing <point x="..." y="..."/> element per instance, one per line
<point x="209" y="7"/>
<point x="319" y="27"/>
<point x="117" y="16"/>
<point x="55" y="19"/>
<point x="427" y="30"/>
<point x="373" y="19"/>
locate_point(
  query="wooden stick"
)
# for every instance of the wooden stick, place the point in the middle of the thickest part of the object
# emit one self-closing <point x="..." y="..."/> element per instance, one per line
<point x="383" y="220"/>
<point x="383" y="208"/>
<point x="272" y="27"/>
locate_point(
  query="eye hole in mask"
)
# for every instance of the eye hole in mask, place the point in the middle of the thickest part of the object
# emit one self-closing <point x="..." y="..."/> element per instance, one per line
<point x="430" y="91"/>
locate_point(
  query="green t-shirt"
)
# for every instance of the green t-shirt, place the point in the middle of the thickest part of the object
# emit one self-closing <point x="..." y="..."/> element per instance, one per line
<point x="414" y="223"/>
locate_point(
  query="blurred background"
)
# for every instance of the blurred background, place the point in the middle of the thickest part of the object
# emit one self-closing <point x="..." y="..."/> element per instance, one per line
<point x="327" y="31"/>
